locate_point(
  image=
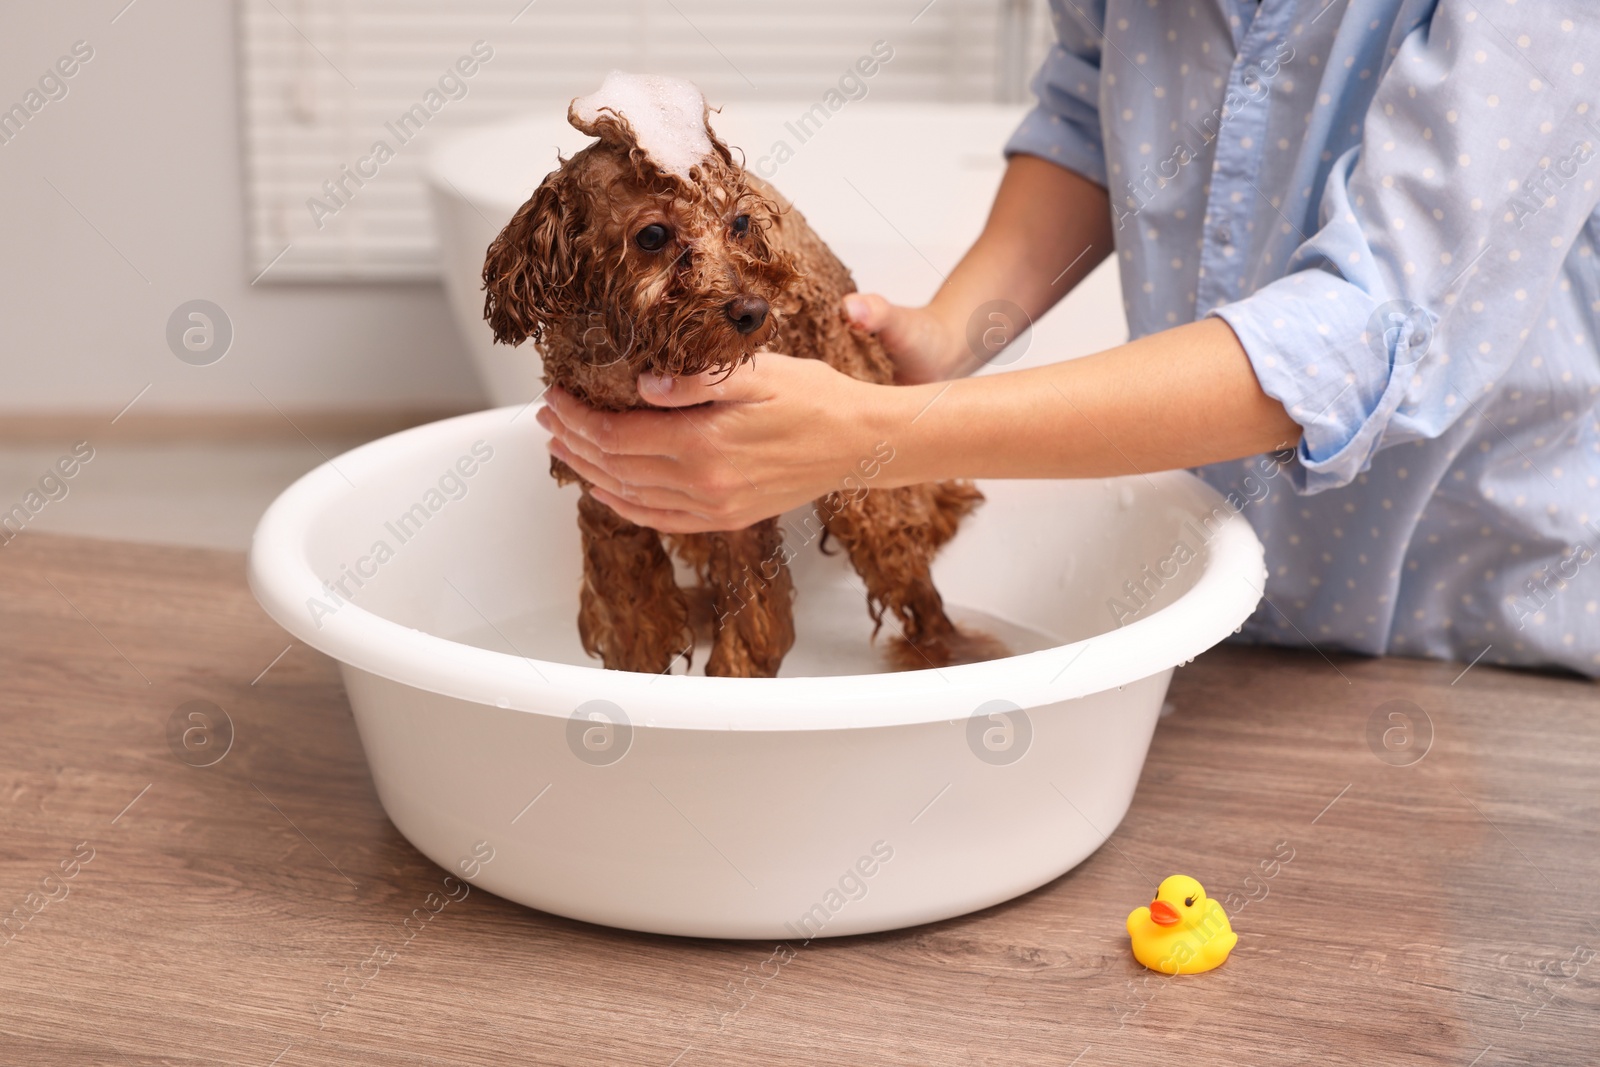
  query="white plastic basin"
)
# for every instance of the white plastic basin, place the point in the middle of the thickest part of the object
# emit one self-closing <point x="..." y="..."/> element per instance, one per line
<point x="740" y="808"/>
<point x="898" y="190"/>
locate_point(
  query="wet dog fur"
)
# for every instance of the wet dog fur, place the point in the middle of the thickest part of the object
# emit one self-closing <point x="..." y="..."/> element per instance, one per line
<point x="578" y="270"/>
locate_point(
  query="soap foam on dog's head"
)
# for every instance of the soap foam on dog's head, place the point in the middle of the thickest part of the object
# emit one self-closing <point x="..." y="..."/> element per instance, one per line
<point x="667" y="116"/>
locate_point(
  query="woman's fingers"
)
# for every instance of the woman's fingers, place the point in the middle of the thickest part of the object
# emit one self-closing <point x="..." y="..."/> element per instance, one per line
<point x="616" y="479"/>
<point x="719" y="450"/>
<point x="667" y="510"/>
<point x="588" y="451"/>
<point x="664" y="520"/>
<point x="681" y="468"/>
<point x="633" y="433"/>
<point x="747" y="382"/>
<point x="868" y="311"/>
<point x="919" y="344"/>
<point x="678" y="480"/>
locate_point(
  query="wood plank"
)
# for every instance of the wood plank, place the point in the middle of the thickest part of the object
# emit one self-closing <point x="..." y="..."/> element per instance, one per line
<point x="1435" y="913"/>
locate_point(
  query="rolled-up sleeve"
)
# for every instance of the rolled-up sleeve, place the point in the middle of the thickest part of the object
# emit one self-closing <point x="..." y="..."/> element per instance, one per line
<point x="1064" y="127"/>
<point x="1442" y="234"/>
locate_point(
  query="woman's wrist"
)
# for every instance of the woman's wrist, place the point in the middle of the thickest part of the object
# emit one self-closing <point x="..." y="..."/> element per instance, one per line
<point x="894" y="422"/>
<point x="954" y="359"/>
<point x="855" y="430"/>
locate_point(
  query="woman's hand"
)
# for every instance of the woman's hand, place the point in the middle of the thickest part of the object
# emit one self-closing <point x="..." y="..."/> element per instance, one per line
<point x="925" y="348"/>
<point x="776" y="433"/>
<point x="1048" y="228"/>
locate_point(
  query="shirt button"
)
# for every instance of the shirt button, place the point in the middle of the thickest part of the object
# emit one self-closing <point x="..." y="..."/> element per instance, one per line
<point x="1224" y="235"/>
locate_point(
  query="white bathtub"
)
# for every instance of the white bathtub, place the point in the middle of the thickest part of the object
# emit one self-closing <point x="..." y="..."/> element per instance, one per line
<point x="898" y="190"/>
<point x="739" y="807"/>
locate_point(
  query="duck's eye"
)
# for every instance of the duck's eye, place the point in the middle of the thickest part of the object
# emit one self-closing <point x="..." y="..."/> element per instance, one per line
<point x="651" y="238"/>
<point x="1188" y="902"/>
<point x="741" y="225"/>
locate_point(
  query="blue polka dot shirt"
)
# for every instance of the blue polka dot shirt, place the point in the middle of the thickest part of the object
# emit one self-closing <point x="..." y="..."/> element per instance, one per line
<point x="1393" y="205"/>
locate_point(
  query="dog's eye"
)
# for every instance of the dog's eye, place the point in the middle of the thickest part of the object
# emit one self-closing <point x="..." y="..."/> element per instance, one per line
<point x="741" y="225"/>
<point x="652" y="237"/>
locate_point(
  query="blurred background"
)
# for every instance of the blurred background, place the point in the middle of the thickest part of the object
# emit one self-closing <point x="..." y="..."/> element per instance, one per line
<point x="215" y="276"/>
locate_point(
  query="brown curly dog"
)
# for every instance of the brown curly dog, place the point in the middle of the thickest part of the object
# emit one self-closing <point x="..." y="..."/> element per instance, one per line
<point x="618" y="265"/>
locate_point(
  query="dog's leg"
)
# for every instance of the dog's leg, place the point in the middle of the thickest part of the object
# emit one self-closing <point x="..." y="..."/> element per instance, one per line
<point x="752" y="600"/>
<point x="631" y="612"/>
<point x="891" y="536"/>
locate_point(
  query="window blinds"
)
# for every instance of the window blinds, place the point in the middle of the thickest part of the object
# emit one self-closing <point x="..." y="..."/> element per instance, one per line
<point x="343" y="99"/>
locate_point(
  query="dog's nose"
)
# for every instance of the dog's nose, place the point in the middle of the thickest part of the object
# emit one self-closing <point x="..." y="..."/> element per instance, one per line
<point x="747" y="313"/>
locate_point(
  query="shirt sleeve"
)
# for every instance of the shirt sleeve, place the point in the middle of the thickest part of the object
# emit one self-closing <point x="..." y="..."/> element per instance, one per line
<point x="1443" y="233"/>
<point x="1064" y="127"/>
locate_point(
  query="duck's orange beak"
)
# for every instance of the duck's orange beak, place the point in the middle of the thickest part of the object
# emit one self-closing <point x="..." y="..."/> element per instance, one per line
<point x="1163" y="913"/>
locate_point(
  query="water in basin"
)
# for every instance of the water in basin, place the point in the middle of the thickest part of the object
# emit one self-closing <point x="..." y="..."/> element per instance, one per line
<point x="833" y="634"/>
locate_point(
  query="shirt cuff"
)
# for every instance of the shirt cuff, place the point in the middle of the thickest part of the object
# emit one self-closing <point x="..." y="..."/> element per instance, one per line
<point x="1340" y="362"/>
<point x="1065" y="126"/>
<point x="1050" y="137"/>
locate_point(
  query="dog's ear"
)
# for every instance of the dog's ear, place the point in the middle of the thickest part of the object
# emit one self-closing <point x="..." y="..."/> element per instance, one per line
<point x="534" y="271"/>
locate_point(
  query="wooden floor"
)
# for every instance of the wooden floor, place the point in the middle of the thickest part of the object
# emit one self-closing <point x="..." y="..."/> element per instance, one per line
<point x="1389" y="910"/>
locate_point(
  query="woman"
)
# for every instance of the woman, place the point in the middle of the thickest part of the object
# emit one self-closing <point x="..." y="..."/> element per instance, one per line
<point x="1360" y="234"/>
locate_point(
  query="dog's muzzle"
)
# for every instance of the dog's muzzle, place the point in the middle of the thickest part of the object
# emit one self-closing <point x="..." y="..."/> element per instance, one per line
<point x="747" y="313"/>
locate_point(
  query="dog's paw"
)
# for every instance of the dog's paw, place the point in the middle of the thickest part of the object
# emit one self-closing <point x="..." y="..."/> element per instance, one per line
<point x="949" y="650"/>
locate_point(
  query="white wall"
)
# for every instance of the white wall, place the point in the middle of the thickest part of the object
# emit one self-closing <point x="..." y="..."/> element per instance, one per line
<point x="146" y="145"/>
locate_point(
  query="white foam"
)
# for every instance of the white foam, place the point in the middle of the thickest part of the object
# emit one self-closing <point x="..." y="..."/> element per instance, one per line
<point x="667" y="116"/>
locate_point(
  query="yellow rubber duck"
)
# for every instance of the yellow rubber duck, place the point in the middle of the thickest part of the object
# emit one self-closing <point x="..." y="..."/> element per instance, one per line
<point x="1182" y="931"/>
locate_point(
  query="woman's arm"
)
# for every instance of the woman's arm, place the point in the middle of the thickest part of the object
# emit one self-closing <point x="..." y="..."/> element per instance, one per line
<point x="1048" y="228"/>
<point x="782" y="431"/>
<point x="1183" y="397"/>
